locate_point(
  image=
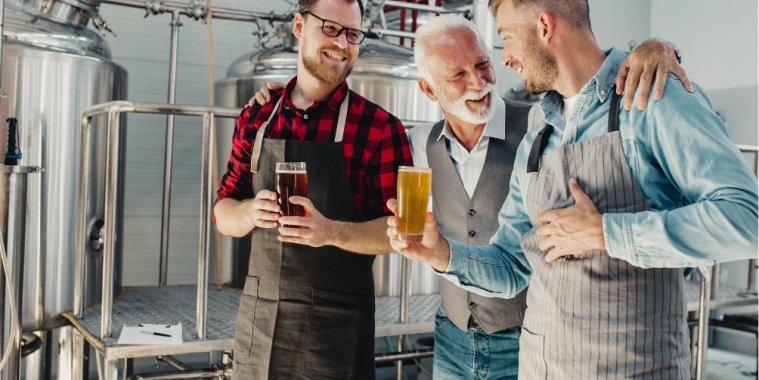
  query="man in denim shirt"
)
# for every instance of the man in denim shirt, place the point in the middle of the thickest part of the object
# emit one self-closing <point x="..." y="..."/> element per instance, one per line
<point x="597" y="195"/>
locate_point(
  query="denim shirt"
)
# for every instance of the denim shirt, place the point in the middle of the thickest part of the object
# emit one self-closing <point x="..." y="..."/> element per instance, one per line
<point x="702" y="193"/>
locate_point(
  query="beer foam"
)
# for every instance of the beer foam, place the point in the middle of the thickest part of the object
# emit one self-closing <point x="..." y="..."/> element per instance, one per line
<point x="291" y="171"/>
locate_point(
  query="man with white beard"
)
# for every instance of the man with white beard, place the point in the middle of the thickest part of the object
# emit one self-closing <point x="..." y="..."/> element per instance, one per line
<point x="475" y="336"/>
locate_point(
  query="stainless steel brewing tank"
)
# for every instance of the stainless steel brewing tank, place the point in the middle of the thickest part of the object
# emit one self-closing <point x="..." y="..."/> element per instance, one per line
<point x="52" y="71"/>
<point x="383" y="73"/>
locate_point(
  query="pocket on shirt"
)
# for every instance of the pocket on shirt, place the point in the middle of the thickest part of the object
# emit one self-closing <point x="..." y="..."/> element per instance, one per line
<point x="532" y="362"/>
<point x="631" y="153"/>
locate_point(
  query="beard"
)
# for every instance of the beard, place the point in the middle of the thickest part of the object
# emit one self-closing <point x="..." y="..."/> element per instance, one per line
<point x="459" y="108"/>
<point x="543" y="69"/>
<point x="325" y="72"/>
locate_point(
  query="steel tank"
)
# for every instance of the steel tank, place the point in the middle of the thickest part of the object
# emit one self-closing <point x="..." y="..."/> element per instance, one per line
<point x="383" y="73"/>
<point x="53" y="67"/>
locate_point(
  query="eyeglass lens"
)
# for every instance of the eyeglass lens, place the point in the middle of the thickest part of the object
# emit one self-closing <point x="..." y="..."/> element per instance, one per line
<point x="333" y="29"/>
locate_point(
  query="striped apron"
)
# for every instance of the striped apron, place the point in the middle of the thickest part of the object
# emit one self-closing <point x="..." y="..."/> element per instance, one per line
<point x="592" y="316"/>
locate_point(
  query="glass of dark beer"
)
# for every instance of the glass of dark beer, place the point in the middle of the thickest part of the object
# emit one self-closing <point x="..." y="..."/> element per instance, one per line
<point x="291" y="181"/>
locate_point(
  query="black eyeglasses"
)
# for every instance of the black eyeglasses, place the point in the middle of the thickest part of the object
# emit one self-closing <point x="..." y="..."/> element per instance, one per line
<point x="333" y="29"/>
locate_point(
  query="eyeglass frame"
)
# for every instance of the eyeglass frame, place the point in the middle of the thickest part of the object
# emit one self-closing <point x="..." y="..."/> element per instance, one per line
<point x="343" y="28"/>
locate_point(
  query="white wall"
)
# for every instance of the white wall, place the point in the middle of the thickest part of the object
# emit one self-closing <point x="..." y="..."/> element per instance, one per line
<point x="720" y="47"/>
<point x="718" y="39"/>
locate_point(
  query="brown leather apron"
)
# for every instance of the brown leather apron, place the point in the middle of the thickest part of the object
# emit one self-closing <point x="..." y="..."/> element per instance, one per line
<point x="305" y="312"/>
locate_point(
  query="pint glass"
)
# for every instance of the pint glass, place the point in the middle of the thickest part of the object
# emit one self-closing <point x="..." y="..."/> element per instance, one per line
<point x="291" y="181"/>
<point x="413" y="196"/>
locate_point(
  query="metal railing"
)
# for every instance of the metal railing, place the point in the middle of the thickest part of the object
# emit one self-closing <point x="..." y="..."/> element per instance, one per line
<point x="113" y="166"/>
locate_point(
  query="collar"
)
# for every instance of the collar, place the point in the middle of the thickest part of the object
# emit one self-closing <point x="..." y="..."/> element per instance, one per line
<point x="601" y="84"/>
<point x="495" y="127"/>
<point x="333" y="100"/>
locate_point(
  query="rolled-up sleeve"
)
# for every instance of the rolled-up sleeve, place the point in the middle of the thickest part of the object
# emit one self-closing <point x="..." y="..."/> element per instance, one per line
<point x="236" y="183"/>
<point x="717" y="218"/>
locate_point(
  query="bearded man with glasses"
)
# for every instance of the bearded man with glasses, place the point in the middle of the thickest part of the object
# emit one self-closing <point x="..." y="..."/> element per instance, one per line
<point x="307" y="309"/>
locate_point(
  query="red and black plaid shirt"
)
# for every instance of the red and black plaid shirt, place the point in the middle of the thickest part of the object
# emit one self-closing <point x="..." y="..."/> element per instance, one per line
<point x="374" y="143"/>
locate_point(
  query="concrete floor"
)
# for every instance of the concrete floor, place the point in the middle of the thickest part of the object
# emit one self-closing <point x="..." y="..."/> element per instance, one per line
<point x="726" y="365"/>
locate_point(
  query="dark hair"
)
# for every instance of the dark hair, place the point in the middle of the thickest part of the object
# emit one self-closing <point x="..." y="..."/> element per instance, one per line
<point x="574" y="12"/>
<point x="307" y="5"/>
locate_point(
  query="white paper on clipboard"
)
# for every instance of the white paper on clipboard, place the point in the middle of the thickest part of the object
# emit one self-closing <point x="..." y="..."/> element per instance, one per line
<point x="151" y="334"/>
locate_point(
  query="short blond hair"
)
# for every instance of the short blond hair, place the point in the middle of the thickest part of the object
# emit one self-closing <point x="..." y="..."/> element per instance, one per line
<point x="575" y="13"/>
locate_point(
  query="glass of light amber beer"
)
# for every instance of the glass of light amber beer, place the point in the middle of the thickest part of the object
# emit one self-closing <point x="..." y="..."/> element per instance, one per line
<point x="291" y="181"/>
<point x="413" y="195"/>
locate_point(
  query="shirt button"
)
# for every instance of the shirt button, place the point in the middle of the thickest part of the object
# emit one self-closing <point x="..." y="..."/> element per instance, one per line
<point x="472" y="212"/>
<point x="472" y="305"/>
<point x="603" y="92"/>
<point x="305" y="117"/>
<point x="472" y="233"/>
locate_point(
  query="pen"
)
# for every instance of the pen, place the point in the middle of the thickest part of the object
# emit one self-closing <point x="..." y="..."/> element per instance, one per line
<point x="155" y="333"/>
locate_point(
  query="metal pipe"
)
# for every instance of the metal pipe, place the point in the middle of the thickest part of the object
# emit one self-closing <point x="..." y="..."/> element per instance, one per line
<point x="703" y="323"/>
<point x="166" y="211"/>
<point x="377" y="10"/>
<point x="399" y="363"/>
<point x="159" y="108"/>
<point x="418" y="7"/>
<point x="174" y="362"/>
<point x="219" y="13"/>
<point x="715" y="281"/>
<point x="393" y="33"/>
<point x="403" y="355"/>
<point x="747" y="148"/>
<point x="206" y="223"/>
<point x="13" y="180"/>
<point x="208" y="373"/>
<point x="405" y="269"/>
<point x="111" y="221"/>
<point x="81" y="217"/>
<point x="2" y="27"/>
<point x="403" y="25"/>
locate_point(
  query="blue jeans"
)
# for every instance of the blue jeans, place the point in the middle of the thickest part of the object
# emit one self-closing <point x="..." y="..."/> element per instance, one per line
<point x="474" y="354"/>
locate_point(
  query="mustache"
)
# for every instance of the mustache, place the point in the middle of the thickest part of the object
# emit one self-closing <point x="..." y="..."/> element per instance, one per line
<point x="515" y="63"/>
<point x="478" y="94"/>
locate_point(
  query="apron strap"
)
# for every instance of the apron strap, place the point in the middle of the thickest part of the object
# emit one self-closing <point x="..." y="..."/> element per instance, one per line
<point x="256" y="153"/>
<point x="538" y="146"/>
<point x="341" y="118"/>
<point x="614" y="110"/>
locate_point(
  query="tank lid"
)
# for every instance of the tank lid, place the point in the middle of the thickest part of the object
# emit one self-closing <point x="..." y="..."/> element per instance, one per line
<point x="374" y="57"/>
<point x="25" y="27"/>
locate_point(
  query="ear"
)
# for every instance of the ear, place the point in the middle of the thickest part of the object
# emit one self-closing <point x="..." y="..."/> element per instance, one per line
<point x="427" y="89"/>
<point x="546" y="27"/>
<point x="298" y="25"/>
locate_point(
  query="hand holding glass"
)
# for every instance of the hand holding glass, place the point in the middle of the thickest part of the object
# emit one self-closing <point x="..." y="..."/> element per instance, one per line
<point x="413" y="193"/>
<point x="291" y="181"/>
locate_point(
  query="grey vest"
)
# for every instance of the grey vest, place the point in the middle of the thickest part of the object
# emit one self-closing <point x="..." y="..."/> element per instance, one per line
<point x="475" y="221"/>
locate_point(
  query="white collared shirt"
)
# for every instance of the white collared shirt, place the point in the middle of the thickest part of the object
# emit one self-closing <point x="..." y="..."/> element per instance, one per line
<point x="468" y="164"/>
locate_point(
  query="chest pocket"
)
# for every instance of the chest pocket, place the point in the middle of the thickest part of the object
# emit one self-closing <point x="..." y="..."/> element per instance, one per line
<point x="631" y="153"/>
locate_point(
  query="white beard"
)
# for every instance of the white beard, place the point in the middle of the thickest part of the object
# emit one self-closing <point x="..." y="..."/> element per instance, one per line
<point x="459" y="108"/>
